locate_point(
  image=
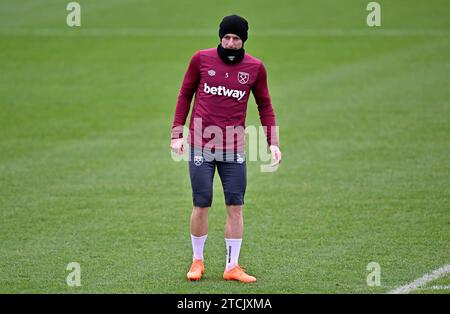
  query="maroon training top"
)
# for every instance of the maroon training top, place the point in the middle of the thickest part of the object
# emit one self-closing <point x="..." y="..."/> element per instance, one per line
<point x="221" y="95"/>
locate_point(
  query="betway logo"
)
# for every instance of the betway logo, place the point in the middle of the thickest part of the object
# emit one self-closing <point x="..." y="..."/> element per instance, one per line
<point x="223" y="91"/>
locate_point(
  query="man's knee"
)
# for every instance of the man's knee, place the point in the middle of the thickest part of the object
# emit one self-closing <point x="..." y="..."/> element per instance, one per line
<point x="200" y="212"/>
<point x="234" y="211"/>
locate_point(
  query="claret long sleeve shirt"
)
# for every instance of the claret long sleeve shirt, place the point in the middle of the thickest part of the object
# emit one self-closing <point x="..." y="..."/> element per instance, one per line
<point x="221" y="93"/>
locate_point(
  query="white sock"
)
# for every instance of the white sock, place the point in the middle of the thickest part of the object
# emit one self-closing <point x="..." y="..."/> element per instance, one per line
<point x="198" y="243"/>
<point x="233" y="248"/>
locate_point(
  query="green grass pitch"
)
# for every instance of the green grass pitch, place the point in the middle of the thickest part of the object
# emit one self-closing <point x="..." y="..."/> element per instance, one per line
<point x="86" y="173"/>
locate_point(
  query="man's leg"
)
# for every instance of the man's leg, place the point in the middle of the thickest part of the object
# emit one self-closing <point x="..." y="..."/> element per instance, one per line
<point x="199" y="231"/>
<point x="234" y="227"/>
<point x="199" y="221"/>
<point x="234" y="181"/>
<point x="202" y="175"/>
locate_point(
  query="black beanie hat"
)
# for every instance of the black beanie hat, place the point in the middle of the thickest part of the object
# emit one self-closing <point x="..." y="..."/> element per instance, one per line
<point x="234" y="24"/>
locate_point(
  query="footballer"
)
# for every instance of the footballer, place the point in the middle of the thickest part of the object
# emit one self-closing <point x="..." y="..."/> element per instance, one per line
<point x="222" y="79"/>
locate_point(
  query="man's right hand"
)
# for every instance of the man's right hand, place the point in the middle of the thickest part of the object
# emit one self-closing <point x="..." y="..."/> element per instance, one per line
<point x="177" y="145"/>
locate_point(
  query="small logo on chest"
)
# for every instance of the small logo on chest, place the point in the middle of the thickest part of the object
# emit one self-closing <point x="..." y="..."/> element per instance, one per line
<point x="211" y="72"/>
<point x="243" y="77"/>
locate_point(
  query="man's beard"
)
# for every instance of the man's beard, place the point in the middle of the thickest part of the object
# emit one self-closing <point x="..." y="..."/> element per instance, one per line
<point x="230" y="56"/>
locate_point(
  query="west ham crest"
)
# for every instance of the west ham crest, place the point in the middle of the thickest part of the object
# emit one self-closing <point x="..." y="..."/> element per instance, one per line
<point x="243" y="77"/>
<point x="198" y="160"/>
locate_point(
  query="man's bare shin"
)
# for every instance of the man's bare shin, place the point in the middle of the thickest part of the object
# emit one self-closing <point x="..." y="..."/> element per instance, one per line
<point x="234" y="227"/>
<point x="199" y="221"/>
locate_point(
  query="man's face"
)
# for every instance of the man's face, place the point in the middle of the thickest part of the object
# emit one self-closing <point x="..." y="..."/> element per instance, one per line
<point x="231" y="41"/>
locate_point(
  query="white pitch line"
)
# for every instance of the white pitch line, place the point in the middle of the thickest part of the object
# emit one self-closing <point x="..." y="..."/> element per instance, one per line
<point x="439" y="288"/>
<point x="422" y="280"/>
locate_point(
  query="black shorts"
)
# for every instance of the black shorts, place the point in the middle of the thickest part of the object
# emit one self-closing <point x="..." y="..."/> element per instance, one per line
<point x="232" y="172"/>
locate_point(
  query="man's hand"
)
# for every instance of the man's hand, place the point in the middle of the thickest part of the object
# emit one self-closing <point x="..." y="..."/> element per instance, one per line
<point x="177" y="145"/>
<point x="276" y="155"/>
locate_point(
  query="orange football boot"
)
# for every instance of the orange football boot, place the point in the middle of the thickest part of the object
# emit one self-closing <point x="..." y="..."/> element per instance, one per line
<point x="197" y="270"/>
<point x="238" y="273"/>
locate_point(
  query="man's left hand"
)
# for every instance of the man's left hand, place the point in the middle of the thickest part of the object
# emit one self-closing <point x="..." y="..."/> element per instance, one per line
<point x="276" y="155"/>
